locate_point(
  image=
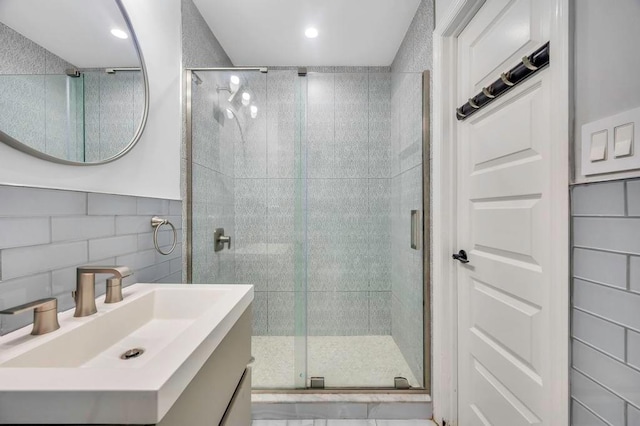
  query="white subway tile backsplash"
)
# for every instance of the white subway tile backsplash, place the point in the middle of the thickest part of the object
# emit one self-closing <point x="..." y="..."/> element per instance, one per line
<point x="633" y="197"/>
<point x="46" y="234"/>
<point x="580" y="416"/>
<point x="604" y="335"/>
<point x="20" y="262"/>
<point x="109" y="204"/>
<point x="69" y="228"/>
<point x="599" y="266"/>
<point x="114" y="246"/>
<point x="612" y="234"/>
<point x="19" y="232"/>
<point x="152" y="206"/>
<point x="617" y="305"/>
<point x="633" y="349"/>
<point x="133" y="225"/>
<point x="621" y="379"/>
<point x="606" y="253"/>
<point x="21" y="202"/>
<point x="610" y="198"/>
<point x="633" y="415"/>
<point x="598" y="399"/>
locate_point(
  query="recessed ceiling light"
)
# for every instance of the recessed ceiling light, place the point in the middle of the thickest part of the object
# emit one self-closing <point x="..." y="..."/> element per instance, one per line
<point x="311" y="32"/>
<point x="116" y="32"/>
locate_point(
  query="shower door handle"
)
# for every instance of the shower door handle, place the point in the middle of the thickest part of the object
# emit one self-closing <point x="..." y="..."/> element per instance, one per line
<point x="415" y="230"/>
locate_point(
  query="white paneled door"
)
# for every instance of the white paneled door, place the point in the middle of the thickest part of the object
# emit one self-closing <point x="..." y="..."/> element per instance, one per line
<point x="506" y="199"/>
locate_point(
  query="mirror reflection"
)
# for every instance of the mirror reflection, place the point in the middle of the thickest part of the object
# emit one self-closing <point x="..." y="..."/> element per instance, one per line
<point x="72" y="86"/>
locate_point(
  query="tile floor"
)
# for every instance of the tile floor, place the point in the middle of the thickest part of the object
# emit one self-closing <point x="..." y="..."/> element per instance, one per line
<point x="344" y="361"/>
<point x="343" y="423"/>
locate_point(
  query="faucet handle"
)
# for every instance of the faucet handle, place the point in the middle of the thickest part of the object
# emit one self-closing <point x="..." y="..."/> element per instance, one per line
<point x="45" y="314"/>
<point x="118" y="271"/>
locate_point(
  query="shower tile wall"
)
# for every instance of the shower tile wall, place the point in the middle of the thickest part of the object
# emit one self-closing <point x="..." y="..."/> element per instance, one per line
<point x="213" y="183"/>
<point x="32" y="83"/>
<point x="46" y="234"/>
<point x="413" y="57"/>
<point x="406" y="195"/>
<point x="113" y="108"/>
<point x="605" y="376"/>
<point x="348" y="189"/>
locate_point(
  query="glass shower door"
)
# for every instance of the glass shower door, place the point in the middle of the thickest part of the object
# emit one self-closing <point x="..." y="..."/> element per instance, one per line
<point x="364" y="177"/>
<point x="246" y="161"/>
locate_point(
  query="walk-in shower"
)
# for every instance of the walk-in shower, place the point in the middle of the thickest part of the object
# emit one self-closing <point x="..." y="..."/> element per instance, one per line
<point x="314" y="178"/>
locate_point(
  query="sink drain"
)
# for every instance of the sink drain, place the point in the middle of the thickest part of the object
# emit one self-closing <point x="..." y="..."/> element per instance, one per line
<point x="132" y="353"/>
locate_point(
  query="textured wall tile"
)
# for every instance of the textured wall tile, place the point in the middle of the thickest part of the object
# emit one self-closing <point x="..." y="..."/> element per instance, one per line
<point x="200" y="48"/>
<point x="620" y="378"/>
<point x="617" y="305"/>
<point x="598" y="199"/>
<point x="602" y="267"/>
<point x="19" y="232"/>
<point x="81" y="227"/>
<point x="21" y="202"/>
<point x="415" y="52"/>
<point x="338" y="313"/>
<point x="281" y="313"/>
<point x="283" y="124"/>
<point x="615" y="234"/>
<point x="20" y="262"/>
<point x="19" y="54"/>
<point x="597" y="332"/>
<point x="380" y="313"/>
<point x="598" y="399"/>
<point x="260" y="314"/>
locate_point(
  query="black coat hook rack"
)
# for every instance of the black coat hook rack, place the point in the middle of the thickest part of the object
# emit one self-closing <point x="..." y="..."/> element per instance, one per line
<point x="530" y="65"/>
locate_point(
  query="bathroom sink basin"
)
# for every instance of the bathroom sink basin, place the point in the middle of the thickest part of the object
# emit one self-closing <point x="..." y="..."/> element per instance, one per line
<point x="80" y="373"/>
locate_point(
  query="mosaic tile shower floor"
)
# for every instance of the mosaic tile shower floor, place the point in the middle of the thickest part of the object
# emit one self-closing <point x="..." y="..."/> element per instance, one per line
<point x="344" y="361"/>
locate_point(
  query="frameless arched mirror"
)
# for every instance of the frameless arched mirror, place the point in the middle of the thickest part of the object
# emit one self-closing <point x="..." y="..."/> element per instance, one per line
<point x="73" y="86"/>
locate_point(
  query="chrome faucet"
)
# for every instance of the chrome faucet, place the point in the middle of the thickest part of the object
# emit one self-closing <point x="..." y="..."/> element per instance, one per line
<point x="85" y="294"/>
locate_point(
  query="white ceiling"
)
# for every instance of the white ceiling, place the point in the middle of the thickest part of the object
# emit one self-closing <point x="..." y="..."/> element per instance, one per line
<point x="271" y="32"/>
<point x="78" y="31"/>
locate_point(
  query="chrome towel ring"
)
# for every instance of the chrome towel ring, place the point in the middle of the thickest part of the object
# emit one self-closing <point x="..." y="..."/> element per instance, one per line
<point x="157" y="223"/>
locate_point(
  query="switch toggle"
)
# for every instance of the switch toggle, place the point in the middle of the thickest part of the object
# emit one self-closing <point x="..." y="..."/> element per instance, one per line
<point x="623" y="140"/>
<point x="598" y="150"/>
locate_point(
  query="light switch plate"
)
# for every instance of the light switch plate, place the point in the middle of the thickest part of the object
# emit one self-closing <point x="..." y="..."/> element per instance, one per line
<point x="623" y="140"/>
<point x="598" y="150"/>
<point x="620" y="143"/>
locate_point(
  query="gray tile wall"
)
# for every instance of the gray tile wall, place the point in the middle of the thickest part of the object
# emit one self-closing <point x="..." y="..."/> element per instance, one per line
<point x="413" y="57"/>
<point x="213" y="158"/>
<point x="113" y="108"/>
<point x="33" y="96"/>
<point x="605" y="377"/>
<point x="106" y="109"/>
<point x="349" y="201"/>
<point x="45" y="234"/>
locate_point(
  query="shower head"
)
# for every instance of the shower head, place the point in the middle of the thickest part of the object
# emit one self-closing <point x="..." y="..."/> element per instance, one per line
<point x="196" y="78"/>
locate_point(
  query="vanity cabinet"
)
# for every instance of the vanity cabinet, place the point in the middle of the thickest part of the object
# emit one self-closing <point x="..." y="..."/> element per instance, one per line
<point x="220" y="393"/>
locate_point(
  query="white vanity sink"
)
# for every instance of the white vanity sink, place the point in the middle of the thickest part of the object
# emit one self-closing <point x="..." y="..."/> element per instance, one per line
<point x="76" y="374"/>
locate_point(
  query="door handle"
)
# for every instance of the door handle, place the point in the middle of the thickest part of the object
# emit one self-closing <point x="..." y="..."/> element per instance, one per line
<point x="461" y="256"/>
